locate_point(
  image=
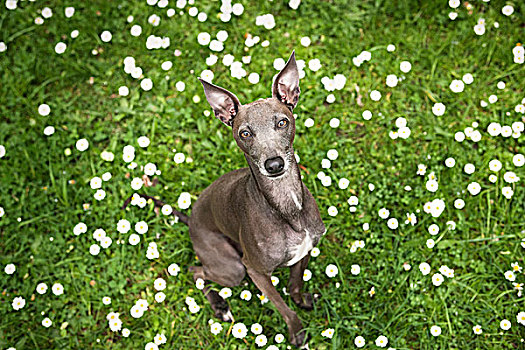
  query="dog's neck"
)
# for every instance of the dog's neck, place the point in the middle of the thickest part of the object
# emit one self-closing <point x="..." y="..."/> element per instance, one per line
<point x="284" y="193"/>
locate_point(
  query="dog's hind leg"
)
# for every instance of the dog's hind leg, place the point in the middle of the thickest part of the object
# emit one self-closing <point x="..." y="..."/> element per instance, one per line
<point x="218" y="304"/>
<point x="221" y="263"/>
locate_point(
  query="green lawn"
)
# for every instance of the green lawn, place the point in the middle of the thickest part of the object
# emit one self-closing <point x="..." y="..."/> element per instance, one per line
<point x="45" y="180"/>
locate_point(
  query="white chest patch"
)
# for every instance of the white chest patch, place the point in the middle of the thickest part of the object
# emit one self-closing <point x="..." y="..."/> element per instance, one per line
<point x="299" y="251"/>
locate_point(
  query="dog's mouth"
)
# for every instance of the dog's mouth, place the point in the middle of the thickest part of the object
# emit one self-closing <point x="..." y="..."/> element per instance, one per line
<point x="281" y="173"/>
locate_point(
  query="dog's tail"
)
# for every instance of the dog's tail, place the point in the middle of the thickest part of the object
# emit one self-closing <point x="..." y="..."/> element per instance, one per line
<point x="159" y="204"/>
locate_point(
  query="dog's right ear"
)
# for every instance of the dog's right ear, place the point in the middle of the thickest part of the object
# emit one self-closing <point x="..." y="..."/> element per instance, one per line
<point x="225" y="105"/>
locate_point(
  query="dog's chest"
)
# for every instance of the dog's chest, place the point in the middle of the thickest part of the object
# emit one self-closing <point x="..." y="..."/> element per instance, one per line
<point x="298" y="251"/>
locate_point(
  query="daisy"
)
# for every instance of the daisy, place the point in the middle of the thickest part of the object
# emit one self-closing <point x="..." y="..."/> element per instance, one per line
<point x="239" y="330"/>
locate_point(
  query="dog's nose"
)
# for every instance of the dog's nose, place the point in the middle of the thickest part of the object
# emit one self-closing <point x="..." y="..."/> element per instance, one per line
<point x="274" y="165"/>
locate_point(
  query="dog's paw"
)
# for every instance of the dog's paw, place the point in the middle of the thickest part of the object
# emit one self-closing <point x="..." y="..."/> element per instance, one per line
<point x="299" y="339"/>
<point x="304" y="301"/>
<point x="222" y="310"/>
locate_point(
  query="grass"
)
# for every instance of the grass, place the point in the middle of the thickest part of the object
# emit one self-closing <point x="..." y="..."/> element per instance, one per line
<point x="44" y="187"/>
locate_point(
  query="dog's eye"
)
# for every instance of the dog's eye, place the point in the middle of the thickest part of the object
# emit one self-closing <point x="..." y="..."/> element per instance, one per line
<point x="245" y="134"/>
<point x="282" y="123"/>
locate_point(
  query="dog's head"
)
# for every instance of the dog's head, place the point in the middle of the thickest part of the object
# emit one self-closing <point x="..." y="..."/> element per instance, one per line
<point x="263" y="129"/>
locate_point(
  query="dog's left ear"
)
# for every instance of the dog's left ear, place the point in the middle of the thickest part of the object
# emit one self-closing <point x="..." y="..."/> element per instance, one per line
<point x="286" y="85"/>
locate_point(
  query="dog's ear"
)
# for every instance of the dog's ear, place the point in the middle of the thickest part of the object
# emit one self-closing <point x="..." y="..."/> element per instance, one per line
<point x="286" y="84"/>
<point x="225" y="105"/>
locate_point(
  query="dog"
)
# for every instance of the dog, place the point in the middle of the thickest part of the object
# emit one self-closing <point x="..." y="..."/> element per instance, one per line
<point x="257" y="219"/>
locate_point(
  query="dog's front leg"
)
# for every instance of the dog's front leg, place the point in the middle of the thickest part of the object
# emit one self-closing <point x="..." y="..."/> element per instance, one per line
<point x="295" y="327"/>
<point x="295" y="284"/>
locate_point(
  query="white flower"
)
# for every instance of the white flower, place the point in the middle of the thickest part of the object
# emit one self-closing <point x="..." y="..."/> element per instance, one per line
<point x="256" y="328"/>
<point x="123" y="226"/>
<point x="134" y="239"/>
<point x="44" y="109"/>
<point x="106" y="300"/>
<point x="82" y="145"/>
<point x="510" y="177"/>
<point x="332" y="211"/>
<point x="173" y="269"/>
<point x="146" y="84"/>
<point x="384" y="213"/>
<point x="143" y="141"/>
<point x="505" y="324"/>
<point x="359" y="341"/>
<point x="457" y="86"/>
<point x="469" y="168"/>
<point x="46" y="322"/>
<point x="477" y="329"/>
<point x="151" y="346"/>
<point x="392" y="223"/>
<point x="518" y="160"/>
<point x="495" y="165"/>
<point x="435" y="331"/>
<point x="438" y="109"/>
<point x="237" y="9"/>
<point x="509" y="275"/>
<point x="41" y="288"/>
<point x="216" y="45"/>
<point x="225" y="293"/>
<point x="18" y="303"/>
<point x="391" y="80"/>
<point x="159" y="284"/>
<point x="355" y="269"/>
<point x="437" y="279"/>
<point x="454" y="3"/>
<point x="239" y="330"/>
<point x="459" y="136"/>
<point x="106" y="36"/>
<point x="331" y="270"/>
<point x="521" y="317"/>
<point x="10" y="269"/>
<point x="261" y="340"/>
<point x="253" y="78"/>
<point x="430" y="243"/>
<point x="60" y="48"/>
<point x="184" y="200"/>
<point x="367" y="115"/>
<point x="160" y="339"/>
<point x="246" y="295"/>
<point x="474" y="188"/>
<point x="94" y="249"/>
<point x="79" y="228"/>
<point x="142" y="304"/>
<point x="328" y="333"/>
<point x="215" y="328"/>
<point x="57" y="289"/>
<point x="375" y="95"/>
<point x="450" y="162"/>
<point x="459" y="203"/>
<point x="468" y="78"/>
<point x="433" y="229"/>
<point x="381" y="341"/>
<point x="136" y="183"/>
<point x="432" y="185"/>
<point x="314" y="64"/>
<point x="479" y="29"/>
<point x="141" y="227"/>
<point x="179" y="158"/>
<point x="424" y="268"/>
<point x="315" y="252"/>
<point x="405" y="66"/>
<point x="294" y="4"/>
<point x="493" y="98"/>
<point x="507" y="10"/>
<point x="334" y="123"/>
<point x="160" y="297"/>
